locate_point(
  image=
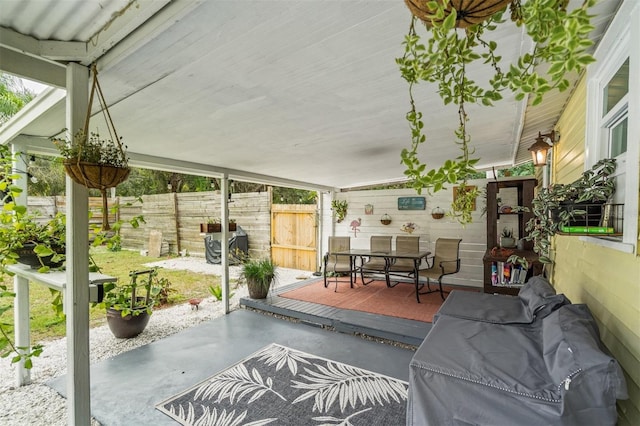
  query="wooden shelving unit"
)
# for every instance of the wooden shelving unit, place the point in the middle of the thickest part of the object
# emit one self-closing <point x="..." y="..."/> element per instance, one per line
<point x="525" y="189"/>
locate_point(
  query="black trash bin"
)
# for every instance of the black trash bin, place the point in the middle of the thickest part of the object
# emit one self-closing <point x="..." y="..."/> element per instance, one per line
<point x="238" y="242"/>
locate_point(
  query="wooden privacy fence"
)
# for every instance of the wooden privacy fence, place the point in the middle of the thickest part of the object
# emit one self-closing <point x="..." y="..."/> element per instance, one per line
<point x="48" y="207"/>
<point x="286" y="232"/>
<point x="294" y="229"/>
<point x="178" y="216"/>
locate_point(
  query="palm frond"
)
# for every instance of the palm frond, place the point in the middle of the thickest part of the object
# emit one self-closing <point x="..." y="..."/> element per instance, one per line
<point x="281" y="356"/>
<point x="348" y="385"/>
<point x="213" y="417"/>
<point x="235" y="384"/>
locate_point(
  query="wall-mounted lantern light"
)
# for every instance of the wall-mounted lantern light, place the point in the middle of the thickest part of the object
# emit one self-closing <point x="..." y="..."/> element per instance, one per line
<point x="543" y="144"/>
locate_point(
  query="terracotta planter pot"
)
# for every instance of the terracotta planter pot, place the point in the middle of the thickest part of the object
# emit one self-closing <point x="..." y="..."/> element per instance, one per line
<point x="126" y="327"/>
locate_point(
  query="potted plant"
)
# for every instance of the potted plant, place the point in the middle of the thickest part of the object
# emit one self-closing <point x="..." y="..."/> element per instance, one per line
<point x="41" y="246"/>
<point x="214" y="225"/>
<point x="259" y="273"/>
<point x="339" y="208"/>
<point x="506" y="238"/>
<point x="457" y="42"/>
<point x="129" y="306"/>
<point x="208" y="226"/>
<point x="93" y="161"/>
<point x="22" y="237"/>
<point x="558" y="205"/>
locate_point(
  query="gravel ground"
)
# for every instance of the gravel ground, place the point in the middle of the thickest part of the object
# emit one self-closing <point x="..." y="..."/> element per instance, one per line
<point x="37" y="404"/>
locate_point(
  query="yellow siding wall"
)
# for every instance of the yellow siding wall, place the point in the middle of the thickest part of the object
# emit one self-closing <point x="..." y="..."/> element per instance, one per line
<point x="568" y="154"/>
<point x="607" y="280"/>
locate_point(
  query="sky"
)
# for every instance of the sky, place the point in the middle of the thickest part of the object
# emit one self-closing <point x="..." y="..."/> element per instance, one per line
<point x="33" y="86"/>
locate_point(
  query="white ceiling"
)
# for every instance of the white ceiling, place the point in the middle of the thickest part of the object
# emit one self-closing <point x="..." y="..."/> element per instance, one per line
<point x="296" y="93"/>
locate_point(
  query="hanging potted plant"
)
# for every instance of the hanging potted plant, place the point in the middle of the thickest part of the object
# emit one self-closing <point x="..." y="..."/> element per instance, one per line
<point x="92" y="160"/>
<point x="460" y="36"/>
<point x="339" y="208"/>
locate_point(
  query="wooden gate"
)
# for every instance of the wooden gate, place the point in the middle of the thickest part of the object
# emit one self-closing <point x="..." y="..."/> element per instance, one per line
<point x="294" y="236"/>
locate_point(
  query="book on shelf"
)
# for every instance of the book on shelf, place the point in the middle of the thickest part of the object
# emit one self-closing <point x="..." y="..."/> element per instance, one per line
<point x="587" y="229"/>
<point x="504" y="274"/>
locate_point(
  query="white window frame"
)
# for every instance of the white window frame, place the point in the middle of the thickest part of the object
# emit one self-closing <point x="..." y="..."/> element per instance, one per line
<point x="614" y="48"/>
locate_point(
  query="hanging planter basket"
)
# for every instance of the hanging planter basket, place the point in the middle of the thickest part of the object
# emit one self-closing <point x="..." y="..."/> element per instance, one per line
<point x="469" y="12"/>
<point x="92" y="161"/>
<point x="95" y="176"/>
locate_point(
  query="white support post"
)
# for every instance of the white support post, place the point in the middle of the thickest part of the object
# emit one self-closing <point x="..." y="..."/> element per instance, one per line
<point x="224" y="240"/>
<point x="77" y="290"/>
<point x="320" y="231"/>
<point x="22" y="328"/>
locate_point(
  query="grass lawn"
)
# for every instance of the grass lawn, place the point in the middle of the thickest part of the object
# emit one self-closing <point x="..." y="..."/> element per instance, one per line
<point x="46" y="325"/>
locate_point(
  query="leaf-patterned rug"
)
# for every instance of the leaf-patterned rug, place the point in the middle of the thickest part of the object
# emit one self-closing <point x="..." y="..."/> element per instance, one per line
<point x="282" y="386"/>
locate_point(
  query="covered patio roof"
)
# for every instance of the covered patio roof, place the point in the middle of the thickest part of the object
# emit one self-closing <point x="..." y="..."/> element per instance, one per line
<point x="299" y="93"/>
<point x="296" y="93"/>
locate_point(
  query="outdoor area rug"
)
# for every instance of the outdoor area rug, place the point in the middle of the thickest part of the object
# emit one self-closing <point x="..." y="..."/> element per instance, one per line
<point x="283" y="386"/>
<point x="376" y="298"/>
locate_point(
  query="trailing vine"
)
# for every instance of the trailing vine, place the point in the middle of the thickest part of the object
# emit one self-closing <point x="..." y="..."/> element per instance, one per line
<point x="560" y="39"/>
<point x="339" y="208"/>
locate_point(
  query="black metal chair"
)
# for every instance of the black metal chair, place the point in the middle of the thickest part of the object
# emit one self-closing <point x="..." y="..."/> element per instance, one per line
<point x="445" y="261"/>
<point x="376" y="265"/>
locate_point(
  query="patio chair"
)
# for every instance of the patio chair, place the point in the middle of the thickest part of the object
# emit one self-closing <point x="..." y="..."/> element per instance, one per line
<point x="338" y="264"/>
<point x="404" y="244"/>
<point x="445" y="261"/>
<point x="376" y="265"/>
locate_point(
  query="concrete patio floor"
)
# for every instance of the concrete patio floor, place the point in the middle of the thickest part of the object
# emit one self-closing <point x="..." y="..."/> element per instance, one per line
<point x="126" y="388"/>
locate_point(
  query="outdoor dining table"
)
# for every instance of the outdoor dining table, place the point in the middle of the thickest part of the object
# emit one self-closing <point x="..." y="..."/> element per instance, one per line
<point x="389" y="257"/>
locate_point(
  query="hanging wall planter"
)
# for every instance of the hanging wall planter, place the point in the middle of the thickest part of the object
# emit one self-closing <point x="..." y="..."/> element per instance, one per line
<point x="339" y="208"/>
<point x="385" y="219"/>
<point x="437" y="213"/>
